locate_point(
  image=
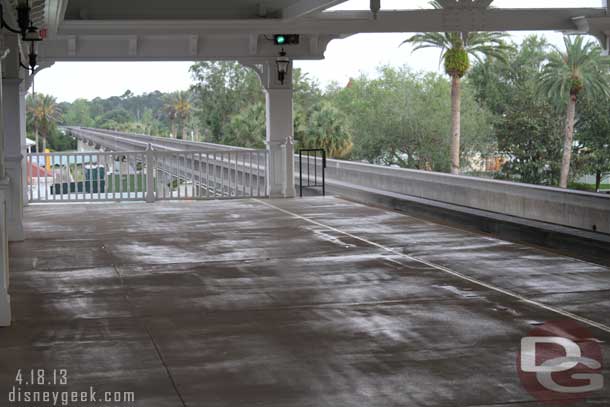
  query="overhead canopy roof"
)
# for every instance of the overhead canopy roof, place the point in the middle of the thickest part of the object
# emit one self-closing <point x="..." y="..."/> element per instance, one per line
<point x="241" y="29"/>
<point x="174" y="10"/>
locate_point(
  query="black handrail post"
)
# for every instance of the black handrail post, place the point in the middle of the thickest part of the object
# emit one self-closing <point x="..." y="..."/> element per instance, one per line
<point x="309" y="184"/>
<point x="315" y="168"/>
<point x="300" y="173"/>
<point x="323" y="172"/>
<point x="308" y="181"/>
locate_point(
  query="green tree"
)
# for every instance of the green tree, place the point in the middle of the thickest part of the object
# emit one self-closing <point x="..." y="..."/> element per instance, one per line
<point x="580" y="70"/>
<point x="399" y="118"/>
<point x="593" y="137"/>
<point x="246" y="128"/>
<point x="327" y="128"/>
<point x="44" y="115"/>
<point x="526" y="127"/>
<point x="115" y="119"/>
<point x="456" y="49"/>
<point x="179" y="110"/>
<point x="529" y="134"/>
<point x="169" y="109"/>
<point x="78" y="113"/>
<point x="221" y="90"/>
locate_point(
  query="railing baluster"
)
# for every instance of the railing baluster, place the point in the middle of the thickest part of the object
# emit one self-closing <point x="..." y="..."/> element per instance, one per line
<point x="84" y="177"/>
<point x="61" y="177"/>
<point x="178" y="173"/>
<point x="141" y="193"/>
<point x="53" y="171"/>
<point x="200" y="154"/>
<point x="164" y="172"/>
<point x="128" y="186"/>
<point x="250" y="172"/>
<point x="243" y="174"/>
<point x="31" y="168"/>
<point x="258" y="175"/>
<point x="235" y="175"/>
<point x="222" y="175"/>
<point x="266" y="172"/>
<point x="212" y="176"/>
<point x="207" y="175"/>
<point x="229" y="192"/>
<point x="107" y="176"/>
<point x="193" y="176"/>
<point x="97" y="176"/>
<point x="71" y="176"/>
<point x="46" y="180"/>
<point x="121" y="177"/>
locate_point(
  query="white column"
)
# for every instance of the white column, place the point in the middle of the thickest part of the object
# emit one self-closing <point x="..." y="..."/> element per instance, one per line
<point x="279" y="143"/>
<point x="14" y="146"/>
<point x="14" y="150"/>
<point x="23" y="136"/>
<point x="5" y="301"/>
<point x="280" y="130"/>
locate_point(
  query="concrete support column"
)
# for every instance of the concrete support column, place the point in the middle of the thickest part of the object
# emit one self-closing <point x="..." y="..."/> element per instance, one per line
<point x="14" y="136"/>
<point x="14" y="155"/>
<point x="23" y="90"/>
<point x="280" y="127"/>
<point x="5" y="301"/>
<point x="280" y="148"/>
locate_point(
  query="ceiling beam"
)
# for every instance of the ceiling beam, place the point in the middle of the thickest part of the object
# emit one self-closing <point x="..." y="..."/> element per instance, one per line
<point x="349" y="22"/>
<point x="158" y="47"/>
<point x="303" y="8"/>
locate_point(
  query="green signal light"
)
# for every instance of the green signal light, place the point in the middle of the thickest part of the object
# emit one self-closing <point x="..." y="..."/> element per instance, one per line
<point x="286" y="39"/>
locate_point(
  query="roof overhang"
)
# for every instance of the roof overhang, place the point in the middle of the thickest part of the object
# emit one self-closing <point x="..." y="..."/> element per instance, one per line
<point x="134" y="34"/>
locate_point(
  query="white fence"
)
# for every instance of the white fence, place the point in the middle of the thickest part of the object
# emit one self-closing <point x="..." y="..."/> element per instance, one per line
<point x="145" y="175"/>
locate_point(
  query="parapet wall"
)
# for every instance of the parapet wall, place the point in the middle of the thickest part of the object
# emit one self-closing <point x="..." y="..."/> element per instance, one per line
<point x="576" y="209"/>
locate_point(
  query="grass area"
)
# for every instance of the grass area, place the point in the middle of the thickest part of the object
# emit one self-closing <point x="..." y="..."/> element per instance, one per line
<point x="587" y="187"/>
<point x="137" y="183"/>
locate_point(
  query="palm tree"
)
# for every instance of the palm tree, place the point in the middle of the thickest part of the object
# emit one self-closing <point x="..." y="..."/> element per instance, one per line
<point x="456" y="49"/>
<point x="182" y="107"/>
<point x="580" y="70"/>
<point x="45" y="114"/>
<point x="328" y="129"/>
<point x="170" y="111"/>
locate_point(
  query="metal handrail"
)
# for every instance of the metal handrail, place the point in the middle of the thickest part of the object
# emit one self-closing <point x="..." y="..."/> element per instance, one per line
<point x="308" y="154"/>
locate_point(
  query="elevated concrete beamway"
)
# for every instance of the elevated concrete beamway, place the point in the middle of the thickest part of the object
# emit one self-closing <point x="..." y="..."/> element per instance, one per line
<point x="576" y="209"/>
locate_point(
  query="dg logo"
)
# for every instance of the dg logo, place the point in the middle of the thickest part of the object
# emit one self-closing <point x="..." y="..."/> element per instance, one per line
<point x="560" y="361"/>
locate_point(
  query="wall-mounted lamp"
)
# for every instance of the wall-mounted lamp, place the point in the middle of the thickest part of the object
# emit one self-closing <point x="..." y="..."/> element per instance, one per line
<point x="32" y="59"/>
<point x="29" y="33"/>
<point x="282" y="63"/>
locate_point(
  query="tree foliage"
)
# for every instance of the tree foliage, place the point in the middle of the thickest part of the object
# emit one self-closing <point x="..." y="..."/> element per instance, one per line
<point x="579" y="70"/>
<point x="401" y="118"/>
<point x="593" y="138"/>
<point x="456" y="49"/>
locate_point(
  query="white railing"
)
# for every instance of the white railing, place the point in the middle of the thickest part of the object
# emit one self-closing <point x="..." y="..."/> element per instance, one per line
<point x="145" y="175"/>
<point x="209" y="174"/>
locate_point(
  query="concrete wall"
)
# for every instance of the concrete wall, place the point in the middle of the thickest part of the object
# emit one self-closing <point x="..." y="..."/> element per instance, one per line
<point x="576" y="209"/>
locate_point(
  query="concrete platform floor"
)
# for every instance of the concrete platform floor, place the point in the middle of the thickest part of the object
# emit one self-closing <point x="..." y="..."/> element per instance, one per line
<point x="305" y="302"/>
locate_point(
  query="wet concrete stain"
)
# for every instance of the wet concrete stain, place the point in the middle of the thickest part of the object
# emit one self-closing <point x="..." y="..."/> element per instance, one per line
<point x="236" y="303"/>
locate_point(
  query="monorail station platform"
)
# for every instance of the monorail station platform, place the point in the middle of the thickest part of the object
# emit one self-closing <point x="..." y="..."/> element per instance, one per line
<point x="292" y="302"/>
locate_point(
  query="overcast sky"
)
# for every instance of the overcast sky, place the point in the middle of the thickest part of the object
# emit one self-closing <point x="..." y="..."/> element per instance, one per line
<point x="345" y="58"/>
